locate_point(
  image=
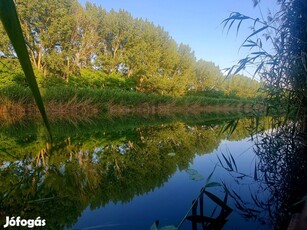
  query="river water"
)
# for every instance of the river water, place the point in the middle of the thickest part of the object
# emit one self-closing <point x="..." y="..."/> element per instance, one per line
<point x="148" y="173"/>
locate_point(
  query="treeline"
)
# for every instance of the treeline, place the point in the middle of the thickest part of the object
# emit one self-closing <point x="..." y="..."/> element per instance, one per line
<point x="90" y="47"/>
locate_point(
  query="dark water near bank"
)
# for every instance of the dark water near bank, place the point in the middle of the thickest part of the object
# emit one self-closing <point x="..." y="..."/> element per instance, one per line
<point x="130" y="173"/>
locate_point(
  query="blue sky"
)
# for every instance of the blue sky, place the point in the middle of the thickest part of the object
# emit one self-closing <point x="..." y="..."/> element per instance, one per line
<point x="196" y="23"/>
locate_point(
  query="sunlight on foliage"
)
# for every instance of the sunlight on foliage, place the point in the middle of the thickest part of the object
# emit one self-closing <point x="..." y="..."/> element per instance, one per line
<point x="11" y="24"/>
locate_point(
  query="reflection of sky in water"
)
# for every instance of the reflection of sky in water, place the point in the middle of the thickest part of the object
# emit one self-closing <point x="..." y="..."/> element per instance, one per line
<point x="170" y="203"/>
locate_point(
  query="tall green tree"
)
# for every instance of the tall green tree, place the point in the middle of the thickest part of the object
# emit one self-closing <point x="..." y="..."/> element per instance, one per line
<point x="47" y="26"/>
<point x="208" y="76"/>
<point x="91" y="35"/>
<point x="150" y="58"/>
<point x="118" y="28"/>
<point x="184" y="72"/>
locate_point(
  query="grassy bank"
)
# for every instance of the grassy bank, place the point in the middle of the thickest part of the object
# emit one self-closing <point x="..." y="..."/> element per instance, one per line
<point x="62" y="100"/>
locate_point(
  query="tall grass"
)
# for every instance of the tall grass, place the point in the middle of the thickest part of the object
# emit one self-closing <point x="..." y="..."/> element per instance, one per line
<point x="122" y="97"/>
<point x="62" y="94"/>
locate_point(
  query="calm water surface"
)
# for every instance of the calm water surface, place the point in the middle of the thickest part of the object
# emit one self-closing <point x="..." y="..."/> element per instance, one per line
<point x="130" y="173"/>
<point x="172" y="200"/>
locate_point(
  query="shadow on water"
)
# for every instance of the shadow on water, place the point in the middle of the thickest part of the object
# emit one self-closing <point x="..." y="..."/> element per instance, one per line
<point x="93" y="163"/>
<point x="196" y="214"/>
<point x="280" y="170"/>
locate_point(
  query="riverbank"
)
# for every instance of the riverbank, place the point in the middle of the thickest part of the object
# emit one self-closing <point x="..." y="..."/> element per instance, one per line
<point x="63" y="102"/>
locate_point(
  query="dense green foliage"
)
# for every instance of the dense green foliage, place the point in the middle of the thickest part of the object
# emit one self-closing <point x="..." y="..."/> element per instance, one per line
<point x="90" y="47"/>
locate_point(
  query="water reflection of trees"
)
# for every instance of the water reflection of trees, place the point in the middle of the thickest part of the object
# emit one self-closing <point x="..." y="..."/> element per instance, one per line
<point x="58" y="181"/>
<point x="280" y="171"/>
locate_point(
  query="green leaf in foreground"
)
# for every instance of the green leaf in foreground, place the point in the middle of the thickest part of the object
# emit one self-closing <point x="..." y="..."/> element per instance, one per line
<point x="9" y="18"/>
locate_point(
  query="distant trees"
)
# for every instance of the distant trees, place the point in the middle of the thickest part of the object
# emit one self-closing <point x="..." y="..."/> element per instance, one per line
<point x="69" y="41"/>
<point x="241" y="86"/>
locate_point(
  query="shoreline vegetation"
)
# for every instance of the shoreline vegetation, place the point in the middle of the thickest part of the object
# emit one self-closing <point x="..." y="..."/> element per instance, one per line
<point x="67" y="102"/>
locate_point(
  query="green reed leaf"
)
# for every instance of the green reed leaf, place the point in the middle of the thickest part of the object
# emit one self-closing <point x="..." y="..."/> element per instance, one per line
<point x="256" y="32"/>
